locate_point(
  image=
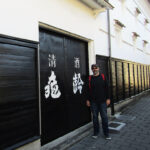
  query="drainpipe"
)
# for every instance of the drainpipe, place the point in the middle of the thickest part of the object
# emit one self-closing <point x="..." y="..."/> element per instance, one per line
<point x="109" y="61"/>
<point x="39" y="87"/>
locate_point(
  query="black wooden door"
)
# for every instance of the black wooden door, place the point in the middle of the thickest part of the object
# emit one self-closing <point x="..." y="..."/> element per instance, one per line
<point x="63" y="63"/>
<point x="103" y="64"/>
<point x="54" y="117"/>
<point x="76" y="76"/>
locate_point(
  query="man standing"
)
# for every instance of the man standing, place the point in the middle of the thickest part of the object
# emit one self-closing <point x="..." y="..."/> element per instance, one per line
<point x="98" y="100"/>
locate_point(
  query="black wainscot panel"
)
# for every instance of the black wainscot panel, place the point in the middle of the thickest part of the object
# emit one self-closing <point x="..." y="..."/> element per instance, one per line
<point x="139" y="79"/>
<point x="119" y="80"/>
<point x="135" y="79"/>
<point x="126" y="79"/>
<point x="113" y="78"/>
<point x="19" y="121"/>
<point x="131" y="79"/>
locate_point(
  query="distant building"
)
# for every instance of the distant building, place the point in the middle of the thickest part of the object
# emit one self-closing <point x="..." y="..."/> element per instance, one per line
<point x="46" y="50"/>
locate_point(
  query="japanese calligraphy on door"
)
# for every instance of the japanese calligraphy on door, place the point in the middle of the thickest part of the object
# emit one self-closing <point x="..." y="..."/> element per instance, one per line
<point x="77" y="81"/>
<point x="52" y="88"/>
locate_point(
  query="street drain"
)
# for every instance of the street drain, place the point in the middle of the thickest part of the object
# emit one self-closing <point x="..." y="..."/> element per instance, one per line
<point x="115" y="127"/>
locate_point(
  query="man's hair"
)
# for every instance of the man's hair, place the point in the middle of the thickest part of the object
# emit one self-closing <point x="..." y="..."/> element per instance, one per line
<point x="94" y="65"/>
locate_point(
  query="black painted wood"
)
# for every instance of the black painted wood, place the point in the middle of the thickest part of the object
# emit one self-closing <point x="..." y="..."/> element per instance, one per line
<point x="131" y="79"/>
<point x="67" y="112"/>
<point x="103" y="64"/>
<point x="142" y="77"/>
<point x="17" y="41"/>
<point x="145" y="76"/>
<point x="54" y="111"/>
<point x="119" y="80"/>
<point x="139" y="79"/>
<point x="125" y="80"/>
<point x="149" y="75"/>
<point x="128" y="80"/>
<point x="135" y="79"/>
<point x="114" y="84"/>
<point x="147" y="70"/>
<point x="18" y="92"/>
<point x="78" y="113"/>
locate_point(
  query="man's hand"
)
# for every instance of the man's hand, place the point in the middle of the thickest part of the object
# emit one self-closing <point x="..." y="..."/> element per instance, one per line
<point x="108" y="102"/>
<point x="88" y="103"/>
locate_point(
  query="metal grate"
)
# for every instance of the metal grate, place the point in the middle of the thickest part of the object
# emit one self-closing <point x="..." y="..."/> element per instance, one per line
<point x="115" y="127"/>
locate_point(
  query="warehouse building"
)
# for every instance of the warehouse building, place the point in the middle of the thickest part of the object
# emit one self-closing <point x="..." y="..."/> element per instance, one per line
<point x="46" y="50"/>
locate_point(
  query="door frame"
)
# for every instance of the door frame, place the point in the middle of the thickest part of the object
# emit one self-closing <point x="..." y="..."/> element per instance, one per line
<point x="90" y="61"/>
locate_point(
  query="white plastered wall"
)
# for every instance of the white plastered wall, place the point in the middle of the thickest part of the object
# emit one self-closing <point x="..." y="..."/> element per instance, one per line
<point x="20" y="18"/>
<point x="124" y="47"/>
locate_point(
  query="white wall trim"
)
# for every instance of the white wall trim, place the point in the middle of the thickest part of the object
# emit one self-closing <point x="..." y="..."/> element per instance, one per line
<point x="140" y="49"/>
<point x="102" y="30"/>
<point x="127" y="43"/>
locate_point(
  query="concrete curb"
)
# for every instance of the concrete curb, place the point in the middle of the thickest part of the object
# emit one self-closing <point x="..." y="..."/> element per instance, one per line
<point x="69" y="139"/>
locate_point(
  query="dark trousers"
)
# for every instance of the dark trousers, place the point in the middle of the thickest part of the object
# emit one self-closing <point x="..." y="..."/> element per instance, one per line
<point x="102" y="108"/>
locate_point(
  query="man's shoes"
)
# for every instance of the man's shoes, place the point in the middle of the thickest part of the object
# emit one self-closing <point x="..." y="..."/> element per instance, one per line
<point x="94" y="136"/>
<point x="107" y="137"/>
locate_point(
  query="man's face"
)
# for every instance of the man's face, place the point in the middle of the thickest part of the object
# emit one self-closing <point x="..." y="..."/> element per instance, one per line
<point x="95" y="70"/>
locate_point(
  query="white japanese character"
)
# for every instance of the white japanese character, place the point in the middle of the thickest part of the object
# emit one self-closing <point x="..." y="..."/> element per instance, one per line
<point x="76" y="62"/>
<point x="52" y="87"/>
<point x="47" y="91"/>
<point x="77" y="83"/>
<point x="52" y="60"/>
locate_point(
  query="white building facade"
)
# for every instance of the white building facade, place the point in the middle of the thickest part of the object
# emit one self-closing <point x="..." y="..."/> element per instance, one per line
<point x="46" y="50"/>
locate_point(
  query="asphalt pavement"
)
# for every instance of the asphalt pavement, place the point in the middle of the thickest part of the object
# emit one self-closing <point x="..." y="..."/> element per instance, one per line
<point x="135" y="135"/>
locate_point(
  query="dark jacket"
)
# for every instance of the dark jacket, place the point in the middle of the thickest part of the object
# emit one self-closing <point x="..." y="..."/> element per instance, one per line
<point x="98" y="89"/>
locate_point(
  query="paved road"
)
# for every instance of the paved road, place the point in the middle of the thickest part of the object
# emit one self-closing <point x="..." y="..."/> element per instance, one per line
<point x="134" y="136"/>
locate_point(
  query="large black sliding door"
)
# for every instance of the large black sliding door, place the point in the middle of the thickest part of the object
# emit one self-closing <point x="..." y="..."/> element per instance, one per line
<point x="63" y="63"/>
<point x="76" y="73"/>
<point x="52" y="62"/>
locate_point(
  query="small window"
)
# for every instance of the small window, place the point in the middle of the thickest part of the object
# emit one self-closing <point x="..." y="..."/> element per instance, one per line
<point x="145" y="43"/>
<point x="146" y="22"/>
<point x="137" y="11"/>
<point x="135" y="35"/>
<point x="118" y="23"/>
